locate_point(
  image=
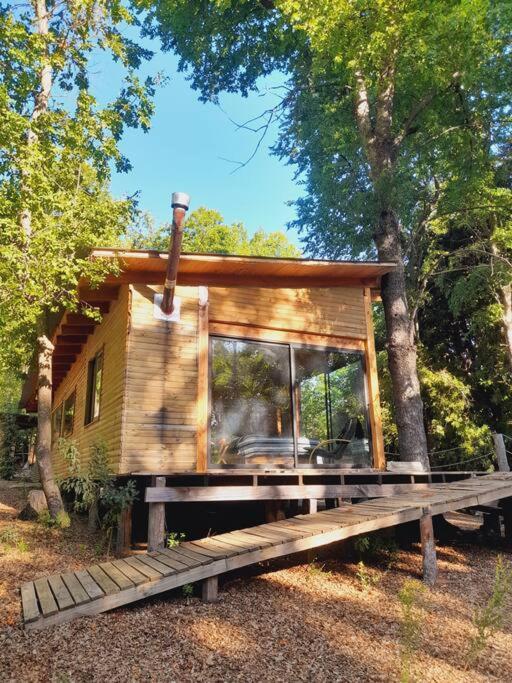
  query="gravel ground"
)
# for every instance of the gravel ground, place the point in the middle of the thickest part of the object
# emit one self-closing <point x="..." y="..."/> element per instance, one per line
<point x="282" y="622"/>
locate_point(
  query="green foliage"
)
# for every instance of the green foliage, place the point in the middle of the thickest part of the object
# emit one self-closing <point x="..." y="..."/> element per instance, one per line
<point x="174" y="538"/>
<point x="60" y="521"/>
<point x="56" y="156"/>
<point x="409" y="598"/>
<point x="207" y="233"/>
<point x="365" y="577"/>
<point x="495" y="614"/>
<point x="97" y="485"/>
<point x="317" y="570"/>
<point x="188" y="591"/>
<point x="12" y="539"/>
<point x="377" y="547"/>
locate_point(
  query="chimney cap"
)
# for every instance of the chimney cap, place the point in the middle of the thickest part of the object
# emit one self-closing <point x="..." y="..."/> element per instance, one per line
<point x="180" y="199"/>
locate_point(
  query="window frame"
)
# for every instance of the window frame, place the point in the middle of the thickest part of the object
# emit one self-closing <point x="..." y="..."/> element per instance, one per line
<point x="92" y="368"/>
<point x="290" y="345"/>
<point x="63" y="420"/>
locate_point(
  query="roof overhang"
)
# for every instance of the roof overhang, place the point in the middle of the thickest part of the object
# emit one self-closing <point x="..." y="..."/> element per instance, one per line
<point x="71" y="330"/>
<point x="207" y="269"/>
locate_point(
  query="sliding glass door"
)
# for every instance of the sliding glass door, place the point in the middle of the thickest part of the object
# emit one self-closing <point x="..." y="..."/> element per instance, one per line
<point x="283" y="405"/>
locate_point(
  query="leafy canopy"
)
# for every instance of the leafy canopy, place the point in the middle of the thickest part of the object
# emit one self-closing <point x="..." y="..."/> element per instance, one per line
<point x="58" y="144"/>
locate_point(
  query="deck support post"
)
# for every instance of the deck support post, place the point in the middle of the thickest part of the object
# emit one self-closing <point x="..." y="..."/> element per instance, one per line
<point x="428" y="549"/>
<point x="506" y="506"/>
<point x="156" y="520"/>
<point x="309" y="506"/>
<point x="124" y="531"/>
<point x="274" y="511"/>
<point x="210" y="589"/>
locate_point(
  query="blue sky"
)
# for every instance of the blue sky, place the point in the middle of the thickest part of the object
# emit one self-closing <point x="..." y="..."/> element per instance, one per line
<point x="187" y="147"/>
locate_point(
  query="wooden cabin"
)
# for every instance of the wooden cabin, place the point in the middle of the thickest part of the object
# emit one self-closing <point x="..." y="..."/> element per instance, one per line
<point x="265" y="365"/>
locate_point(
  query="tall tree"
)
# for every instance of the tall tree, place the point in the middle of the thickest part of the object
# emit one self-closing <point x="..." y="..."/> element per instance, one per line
<point x="57" y="147"/>
<point x="379" y="101"/>
<point x="207" y="233"/>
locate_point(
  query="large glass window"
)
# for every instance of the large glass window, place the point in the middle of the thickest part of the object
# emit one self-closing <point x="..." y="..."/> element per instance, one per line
<point x="282" y="405"/>
<point x="331" y="407"/>
<point x="251" y="416"/>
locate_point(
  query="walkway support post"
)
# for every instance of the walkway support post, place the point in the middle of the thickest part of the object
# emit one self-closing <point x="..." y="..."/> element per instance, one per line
<point x="506" y="506"/>
<point x="501" y="452"/>
<point x="156" y="520"/>
<point x="428" y="548"/>
<point x="210" y="589"/>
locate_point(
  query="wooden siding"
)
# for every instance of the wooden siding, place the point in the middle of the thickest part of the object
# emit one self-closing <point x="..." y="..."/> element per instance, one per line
<point x="110" y="336"/>
<point x="160" y="417"/>
<point x="328" y="311"/>
<point x="162" y="413"/>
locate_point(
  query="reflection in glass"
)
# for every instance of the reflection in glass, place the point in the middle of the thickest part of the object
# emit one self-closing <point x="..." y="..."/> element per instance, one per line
<point x="331" y="406"/>
<point x="251" y="420"/>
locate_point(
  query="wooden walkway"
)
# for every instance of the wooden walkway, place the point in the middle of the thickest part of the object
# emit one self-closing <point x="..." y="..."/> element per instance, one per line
<point x="63" y="597"/>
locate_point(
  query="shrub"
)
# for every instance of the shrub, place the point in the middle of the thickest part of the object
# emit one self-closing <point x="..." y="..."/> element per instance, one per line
<point x="174" y="538"/>
<point x="494" y="615"/>
<point x="410" y="627"/>
<point x="61" y="521"/>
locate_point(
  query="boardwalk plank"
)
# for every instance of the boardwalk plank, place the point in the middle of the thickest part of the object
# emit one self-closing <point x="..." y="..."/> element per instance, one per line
<point x="45" y="597"/>
<point x="156" y="565"/>
<point x="91" y="587"/>
<point x="105" y="582"/>
<point x="61" y="593"/>
<point x="175" y="555"/>
<point x="175" y="565"/>
<point x="116" y="575"/>
<point x="143" y="568"/>
<point x="76" y="589"/>
<point x="129" y="571"/>
<point x="29" y="602"/>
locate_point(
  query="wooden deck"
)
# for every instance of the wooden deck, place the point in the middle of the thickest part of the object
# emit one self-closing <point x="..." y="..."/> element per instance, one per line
<point x="63" y="597"/>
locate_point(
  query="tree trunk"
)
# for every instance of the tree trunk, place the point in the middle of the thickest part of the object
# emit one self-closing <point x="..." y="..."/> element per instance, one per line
<point x="401" y="347"/>
<point x="505" y="295"/>
<point x="44" y="426"/>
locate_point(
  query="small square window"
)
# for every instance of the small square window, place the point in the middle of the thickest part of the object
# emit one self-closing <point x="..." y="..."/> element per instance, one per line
<point x="94" y="380"/>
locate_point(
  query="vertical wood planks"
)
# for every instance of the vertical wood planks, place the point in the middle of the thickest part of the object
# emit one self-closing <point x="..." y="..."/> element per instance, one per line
<point x="428" y="550"/>
<point x="379" y="458"/>
<point x="202" y="382"/>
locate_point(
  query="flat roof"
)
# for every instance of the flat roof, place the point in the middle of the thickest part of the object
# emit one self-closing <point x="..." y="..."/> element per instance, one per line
<point x="148" y="265"/>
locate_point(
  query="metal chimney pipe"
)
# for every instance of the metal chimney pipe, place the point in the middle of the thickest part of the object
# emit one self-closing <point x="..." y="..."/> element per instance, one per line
<point x="180" y="203"/>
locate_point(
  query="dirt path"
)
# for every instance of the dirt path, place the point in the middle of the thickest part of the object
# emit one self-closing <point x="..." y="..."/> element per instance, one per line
<point x="305" y="622"/>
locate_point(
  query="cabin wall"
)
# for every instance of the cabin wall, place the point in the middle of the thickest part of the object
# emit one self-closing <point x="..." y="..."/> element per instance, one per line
<point x="160" y="417"/>
<point x="162" y="405"/>
<point x="111" y="335"/>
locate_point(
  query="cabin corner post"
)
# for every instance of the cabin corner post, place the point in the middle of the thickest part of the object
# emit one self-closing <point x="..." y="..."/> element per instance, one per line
<point x="202" y="381"/>
<point x="379" y="458"/>
<point x="156" y="520"/>
<point x="428" y="548"/>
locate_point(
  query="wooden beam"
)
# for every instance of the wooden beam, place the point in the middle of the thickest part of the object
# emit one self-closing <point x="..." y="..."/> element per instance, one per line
<point x="64" y="349"/>
<point x="156" y="520"/>
<point x="191" y="494"/>
<point x="73" y="330"/>
<point x="61" y="359"/>
<point x="285" y="336"/>
<point x="71" y="339"/>
<point x="79" y="319"/>
<point x="102" y="293"/>
<point x="202" y="382"/>
<point x="379" y="458"/>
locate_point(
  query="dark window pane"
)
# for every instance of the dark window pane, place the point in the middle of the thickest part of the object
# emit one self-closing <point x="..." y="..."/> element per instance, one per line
<point x="331" y="405"/>
<point x="251" y="418"/>
<point x="69" y="415"/>
<point x="57" y="423"/>
<point x="93" y="394"/>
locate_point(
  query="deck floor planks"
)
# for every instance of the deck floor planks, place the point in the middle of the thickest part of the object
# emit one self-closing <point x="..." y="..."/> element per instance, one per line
<point x="89" y="584"/>
<point x="45" y="597"/>
<point x="103" y="580"/>
<point x="169" y="562"/>
<point x="164" y="569"/>
<point x="29" y="602"/>
<point x="62" y="595"/>
<point x="133" y="574"/>
<point x="116" y="575"/>
<point x="102" y="587"/>
<point x="143" y="568"/>
<point x="76" y="589"/>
